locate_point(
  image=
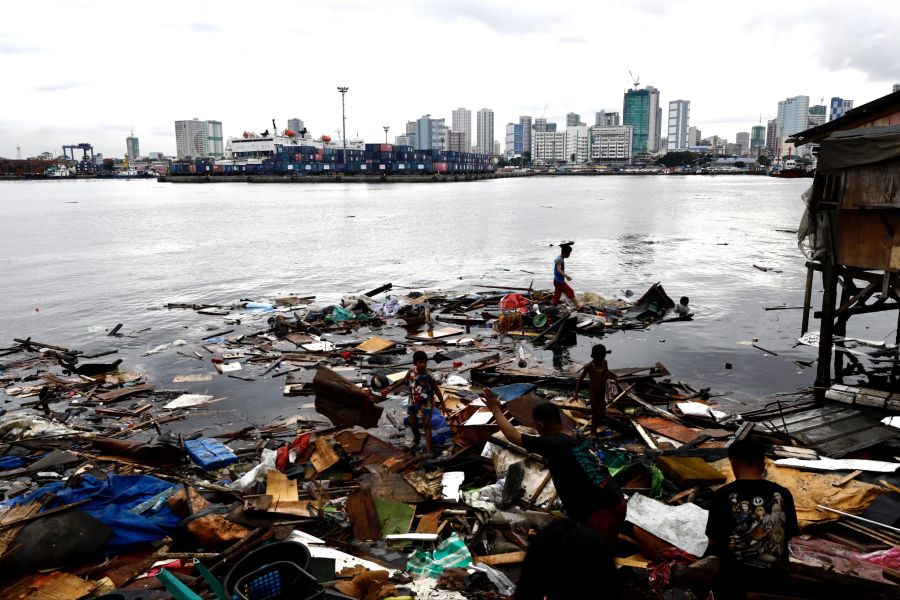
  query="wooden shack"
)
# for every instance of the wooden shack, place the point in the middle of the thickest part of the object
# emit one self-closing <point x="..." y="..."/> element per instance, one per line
<point x="852" y="226"/>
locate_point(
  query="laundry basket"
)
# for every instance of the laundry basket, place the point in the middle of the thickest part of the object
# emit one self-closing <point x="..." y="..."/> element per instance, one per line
<point x="278" y="581"/>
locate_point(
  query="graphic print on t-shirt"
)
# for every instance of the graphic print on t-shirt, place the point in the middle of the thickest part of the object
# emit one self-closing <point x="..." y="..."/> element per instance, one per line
<point x="759" y="529"/>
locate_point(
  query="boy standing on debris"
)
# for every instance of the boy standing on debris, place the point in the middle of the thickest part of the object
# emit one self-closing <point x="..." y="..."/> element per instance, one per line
<point x="422" y="390"/>
<point x="560" y="276"/>
<point x="583" y="483"/>
<point x="750" y="523"/>
<point x="599" y="373"/>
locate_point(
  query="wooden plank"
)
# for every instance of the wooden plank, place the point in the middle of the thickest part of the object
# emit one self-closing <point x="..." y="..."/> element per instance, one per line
<point x="116" y="395"/>
<point x="324" y="456"/>
<point x="689" y="471"/>
<point x="507" y="558"/>
<point x="280" y="487"/>
<point x="844" y="480"/>
<point x="363" y="516"/>
<point x="429" y="522"/>
<point x="669" y="429"/>
<point x="375" y="344"/>
<point x="437" y="333"/>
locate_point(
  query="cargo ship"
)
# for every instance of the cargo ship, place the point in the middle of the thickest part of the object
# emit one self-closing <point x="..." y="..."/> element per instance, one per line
<point x="273" y="155"/>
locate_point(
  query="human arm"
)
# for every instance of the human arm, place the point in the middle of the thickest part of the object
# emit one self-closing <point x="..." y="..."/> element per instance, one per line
<point x="437" y="391"/>
<point x="559" y="269"/>
<point x="392" y="387"/>
<point x="581" y="377"/>
<point x="493" y="403"/>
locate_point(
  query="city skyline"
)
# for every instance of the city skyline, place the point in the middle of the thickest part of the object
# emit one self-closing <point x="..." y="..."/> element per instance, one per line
<point x="136" y="78"/>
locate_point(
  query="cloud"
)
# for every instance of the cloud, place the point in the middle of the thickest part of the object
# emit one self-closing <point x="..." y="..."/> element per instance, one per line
<point x="56" y="87"/>
<point x="508" y="18"/>
<point x="11" y="48"/>
<point x="202" y="27"/>
<point x="573" y="40"/>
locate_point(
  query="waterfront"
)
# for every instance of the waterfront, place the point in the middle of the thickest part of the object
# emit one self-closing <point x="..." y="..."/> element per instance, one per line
<point x="81" y="256"/>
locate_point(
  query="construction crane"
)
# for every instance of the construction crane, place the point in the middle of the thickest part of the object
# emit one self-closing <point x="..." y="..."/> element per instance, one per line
<point x="635" y="80"/>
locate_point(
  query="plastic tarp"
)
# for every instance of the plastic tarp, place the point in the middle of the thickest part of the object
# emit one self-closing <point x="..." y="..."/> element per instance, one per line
<point x="856" y="147"/>
<point x="513" y="391"/>
<point x="110" y="503"/>
<point x="451" y="553"/>
<point x="683" y="526"/>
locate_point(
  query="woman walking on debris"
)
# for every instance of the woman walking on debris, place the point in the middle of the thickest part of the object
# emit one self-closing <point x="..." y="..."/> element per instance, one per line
<point x="560" y="276"/>
<point x="587" y="490"/>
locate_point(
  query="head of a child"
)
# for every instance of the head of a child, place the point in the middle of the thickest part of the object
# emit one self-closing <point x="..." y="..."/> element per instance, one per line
<point x="748" y="459"/>
<point x="547" y="418"/>
<point x="420" y="360"/>
<point x="684" y="301"/>
<point x="565" y="250"/>
<point x="598" y="353"/>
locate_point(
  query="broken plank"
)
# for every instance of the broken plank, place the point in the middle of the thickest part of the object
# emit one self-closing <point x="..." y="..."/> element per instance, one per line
<point x="506" y="558"/>
<point x="116" y="395"/>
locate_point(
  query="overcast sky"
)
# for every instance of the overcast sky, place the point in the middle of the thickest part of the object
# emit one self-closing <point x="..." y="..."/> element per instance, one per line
<point x="82" y="71"/>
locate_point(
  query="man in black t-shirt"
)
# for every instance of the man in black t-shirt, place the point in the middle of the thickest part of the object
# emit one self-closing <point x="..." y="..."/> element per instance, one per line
<point x="583" y="483"/>
<point x="750" y="522"/>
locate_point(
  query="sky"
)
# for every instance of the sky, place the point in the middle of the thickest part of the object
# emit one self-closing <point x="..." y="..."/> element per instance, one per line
<point x="82" y="71"/>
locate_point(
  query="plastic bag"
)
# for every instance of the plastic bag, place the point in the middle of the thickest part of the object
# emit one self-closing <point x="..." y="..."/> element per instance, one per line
<point x="340" y="314"/>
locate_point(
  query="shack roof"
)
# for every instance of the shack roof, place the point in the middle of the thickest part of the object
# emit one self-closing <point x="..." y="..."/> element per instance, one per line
<point x="862" y="146"/>
<point x="857" y="117"/>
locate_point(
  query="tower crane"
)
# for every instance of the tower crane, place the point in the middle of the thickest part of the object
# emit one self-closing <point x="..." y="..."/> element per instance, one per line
<point x="635" y="80"/>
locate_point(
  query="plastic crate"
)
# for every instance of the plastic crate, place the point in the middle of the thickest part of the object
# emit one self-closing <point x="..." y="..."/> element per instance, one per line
<point x="279" y="581"/>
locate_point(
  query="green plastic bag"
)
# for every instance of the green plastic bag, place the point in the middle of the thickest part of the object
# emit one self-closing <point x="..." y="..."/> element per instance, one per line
<point x="341" y="314"/>
<point x="656" y="481"/>
<point x="451" y="553"/>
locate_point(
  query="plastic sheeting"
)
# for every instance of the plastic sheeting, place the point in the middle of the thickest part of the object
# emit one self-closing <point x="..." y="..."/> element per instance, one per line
<point x="110" y="503"/>
<point x="856" y="147"/>
<point x="683" y="526"/>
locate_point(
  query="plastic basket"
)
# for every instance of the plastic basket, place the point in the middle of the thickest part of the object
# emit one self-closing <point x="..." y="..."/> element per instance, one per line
<point x="278" y="581"/>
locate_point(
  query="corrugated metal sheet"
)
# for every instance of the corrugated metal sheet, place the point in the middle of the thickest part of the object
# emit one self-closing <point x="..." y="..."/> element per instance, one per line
<point x="833" y="431"/>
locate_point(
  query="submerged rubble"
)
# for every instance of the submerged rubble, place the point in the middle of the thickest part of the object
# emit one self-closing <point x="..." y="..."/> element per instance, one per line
<point x="112" y="481"/>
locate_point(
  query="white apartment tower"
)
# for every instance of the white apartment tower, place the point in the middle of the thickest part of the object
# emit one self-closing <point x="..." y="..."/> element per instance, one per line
<point x="485" y="134"/>
<point x="793" y="117"/>
<point x="679" y="124"/>
<point x="462" y="123"/>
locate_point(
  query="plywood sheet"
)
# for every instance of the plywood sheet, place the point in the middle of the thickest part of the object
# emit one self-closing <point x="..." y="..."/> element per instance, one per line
<point x="280" y="487"/>
<point x="437" y="333"/>
<point x="689" y="471"/>
<point x="363" y="517"/>
<point x="375" y="344"/>
<point x="669" y="429"/>
<point x="324" y="457"/>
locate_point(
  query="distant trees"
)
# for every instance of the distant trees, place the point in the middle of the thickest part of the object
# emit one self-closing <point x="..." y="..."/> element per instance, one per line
<point x="764" y="161"/>
<point x="678" y="158"/>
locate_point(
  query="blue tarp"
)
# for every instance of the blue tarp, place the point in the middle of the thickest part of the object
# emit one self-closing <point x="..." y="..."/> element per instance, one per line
<point x="110" y="501"/>
<point x="513" y="391"/>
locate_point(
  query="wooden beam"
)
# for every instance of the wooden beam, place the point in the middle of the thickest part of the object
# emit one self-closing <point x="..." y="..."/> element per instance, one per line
<point x="507" y="558"/>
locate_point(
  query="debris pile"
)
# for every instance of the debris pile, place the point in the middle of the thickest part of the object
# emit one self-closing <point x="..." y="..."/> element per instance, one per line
<point x="112" y="481"/>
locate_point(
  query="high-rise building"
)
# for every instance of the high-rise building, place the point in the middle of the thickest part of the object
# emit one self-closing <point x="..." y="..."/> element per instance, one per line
<point x="423" y="133"/>
<point x="215" y="143"/>
<point x="757" y="138"/>
<point x="771" y="136"/>
<point x="548" y="147"/>
<point x="694" y="136"/>
<point x="641" y="110"/>
<point x="498" y="149"/>
<point x="412" y="134"/>
<point x="295" y="124"/>
<point x="462" y="123"/>
<point x="458" y="142"/>
<point x="485" y="134"/>
<point x="440" y="135"/>
<point x="742" y="139"/>
<point x="793" y="117"/>
<point x="817" y="115"/>
<point x="679" y="124"/>
<point x="192" y="139"/>
<point x="511" y="138"/>
<point x="540" y="124"/>
<point x="577" y="144"/>
<point x="839" y="106"/>
<point x="606" y="119"/>
<point x="573" y="120"/>
<point x="525" y="122"/>
<point x="403" y="140"/>
<point x="550" y="127"/>
<point x="611" y="144"/>
<point x="132" y="148"/>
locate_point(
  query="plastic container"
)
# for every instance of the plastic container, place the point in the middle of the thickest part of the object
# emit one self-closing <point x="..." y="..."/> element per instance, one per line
<point x="293" y="552"/>
<point x="278" y="581"/>
<point x="210" y="454"/>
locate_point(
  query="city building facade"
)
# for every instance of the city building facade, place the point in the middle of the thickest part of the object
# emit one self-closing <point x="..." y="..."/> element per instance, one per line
<point x="190" y="138"/>
<point x="215" y="143"/>
<point x="771" y="136"/>
<point x="461" y="122"/>
<point x="742" y="140"/>
<point x="458" y="142"/>
<point x="611" y="145"/>
<point x="793" y="117"/>
<point x="540" y="124"/>
<point x="641" y="111"/>
<point x="525" y="122"/>
<point x="605" y="118"/>
<point x="818" y="115"/>
<point x="577" y="144"/>
<point x="423" y="133"/>
<point x="757" y="138"/>
<point x="485" y="131"/>
<point x="679" y="124"/>
<point x="838" y="107"/>
<point x="132" y="148"/>
<point x="694" y="136"/>
<point x="295" y="124"/>
<point x="573" y="120"/>
<point x="548" y="147"/>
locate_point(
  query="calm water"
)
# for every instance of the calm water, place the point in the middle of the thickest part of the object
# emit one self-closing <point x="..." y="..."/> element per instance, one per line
<point x="80" y="256"/>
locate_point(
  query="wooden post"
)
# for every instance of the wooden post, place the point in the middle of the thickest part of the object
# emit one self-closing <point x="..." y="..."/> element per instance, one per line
<point x="840" y="329"/>
<point x="826" y="329"/>
<point x="807" y="299"/>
